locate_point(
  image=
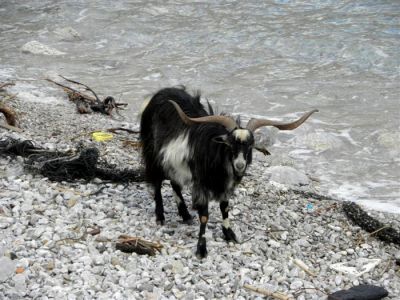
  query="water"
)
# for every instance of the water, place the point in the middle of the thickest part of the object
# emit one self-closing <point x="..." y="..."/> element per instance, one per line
<point x="266" y="58"/>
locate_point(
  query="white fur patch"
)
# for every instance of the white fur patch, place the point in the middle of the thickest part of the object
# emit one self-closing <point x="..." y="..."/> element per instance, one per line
<point x="226" y="223"/>
<point x="241" y="134"/>
<point x="175" y="157"/>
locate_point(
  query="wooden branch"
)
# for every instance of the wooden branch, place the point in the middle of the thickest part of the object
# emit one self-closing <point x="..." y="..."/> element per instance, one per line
<point x="3" y="85"/>
<point x="133" y="144"/>
<point x="113" y="130"/>
<point x="304" y="267"/>
<point x="72" y="91"/>
<point x="87" y="88"/>
<point x="9" y="113"/>
<point x="12" y="128"/>
<point x="266" y="292"/>
<point x="131" y="244"/>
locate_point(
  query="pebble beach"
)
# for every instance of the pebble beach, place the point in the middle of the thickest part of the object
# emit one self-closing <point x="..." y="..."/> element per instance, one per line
<point x="48" y="248"/>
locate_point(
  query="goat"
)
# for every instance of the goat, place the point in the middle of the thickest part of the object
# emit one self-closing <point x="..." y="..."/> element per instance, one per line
<point x="185" y="144"/>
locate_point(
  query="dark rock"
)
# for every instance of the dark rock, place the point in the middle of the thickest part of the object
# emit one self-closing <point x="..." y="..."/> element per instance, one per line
<point x="360" y="292"/>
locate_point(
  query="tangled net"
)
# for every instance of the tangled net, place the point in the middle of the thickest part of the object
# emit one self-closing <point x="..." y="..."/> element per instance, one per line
<point x="67" y="166"/>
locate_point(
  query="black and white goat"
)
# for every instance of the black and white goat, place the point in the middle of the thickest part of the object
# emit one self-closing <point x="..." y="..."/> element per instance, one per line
<point x="185" y="144"/>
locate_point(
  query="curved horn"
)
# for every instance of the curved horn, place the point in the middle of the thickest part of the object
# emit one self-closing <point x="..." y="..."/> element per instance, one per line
<point x="227" y="122"/>
<point x="257" y="123"/>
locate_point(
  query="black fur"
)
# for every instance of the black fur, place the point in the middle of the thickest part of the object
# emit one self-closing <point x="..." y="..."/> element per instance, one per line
<point x="212" y="151"/>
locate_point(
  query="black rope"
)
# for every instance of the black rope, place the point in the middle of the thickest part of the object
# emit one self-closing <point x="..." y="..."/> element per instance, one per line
<point x="67" y="166"/>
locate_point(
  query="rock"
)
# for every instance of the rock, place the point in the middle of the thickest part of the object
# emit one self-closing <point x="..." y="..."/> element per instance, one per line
<point x="274" y="243"/>
<point x="177" y="267"/>
<point x="295" y="285"/>
<point x="71" y="202"/>
<point x="360" y="292"/>
<point x="20" y="283"/>
<point x="7" y="268"/>
<point x="358" y="267"/>
<point x="287" y="176"/>
<point x="67" y="34"/>
<point x="268" y="270"/>
<point x="34" y="47"/>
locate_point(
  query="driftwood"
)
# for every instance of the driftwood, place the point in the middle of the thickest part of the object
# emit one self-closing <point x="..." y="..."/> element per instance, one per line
<point x="114" y="130"/>
<point x="86" y="103"/>
<point x="132" y="144"/>
<point x="12" y="128"/>
<point x="9" y="114"/>
<point x="361" y="218"/>
<point x="129" y="244"/>
<point x="304" y="267"/>
<point x="266" y="292"/>
<point x="3" y="85"/>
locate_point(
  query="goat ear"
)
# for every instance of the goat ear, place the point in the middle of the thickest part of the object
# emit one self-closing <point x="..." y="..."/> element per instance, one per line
<point x="222" y="139"/>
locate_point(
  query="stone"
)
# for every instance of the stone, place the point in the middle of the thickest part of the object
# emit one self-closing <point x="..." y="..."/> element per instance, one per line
<point x="360" y="292"/>
<point x="177" y="267"/>
<point x="20" y="283"/>
<point x="67" y="34"/>
<point x="295" y="285"/>
<point x="357" y="267"/>
<point x="34" y="47"/>
<point x="7" y="268"/>
<point x="287" y="176"/>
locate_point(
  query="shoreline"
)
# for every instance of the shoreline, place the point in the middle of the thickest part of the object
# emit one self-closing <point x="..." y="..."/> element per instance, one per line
<point x="44" y="224"/>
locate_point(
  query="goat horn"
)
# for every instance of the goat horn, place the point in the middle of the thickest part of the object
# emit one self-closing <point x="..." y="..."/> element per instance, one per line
<point x="227" y="122"/>
<point x="257" y="123"/>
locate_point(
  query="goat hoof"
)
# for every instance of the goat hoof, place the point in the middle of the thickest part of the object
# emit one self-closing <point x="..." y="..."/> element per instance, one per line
<point x="188" y="220"/>
<point x="229" y="235"/>
<point x="160" y="222"/>
<point x="201" y="251"/>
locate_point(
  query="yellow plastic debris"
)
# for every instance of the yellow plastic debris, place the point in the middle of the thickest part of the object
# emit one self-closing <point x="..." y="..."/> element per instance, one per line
<point x="101" y="136"/>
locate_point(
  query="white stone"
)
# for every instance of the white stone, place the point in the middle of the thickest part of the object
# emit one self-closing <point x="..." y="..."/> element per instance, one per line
<point x="358" y="267"/>
<point x="35" y="47"/>
<point x="274" y="243"/>
<point x="67" y="34"/>
<point x="7" y="268"/>
<point x="287" y="176"/>
<point x="295" y="285"/>
<point x="20" y="283"/>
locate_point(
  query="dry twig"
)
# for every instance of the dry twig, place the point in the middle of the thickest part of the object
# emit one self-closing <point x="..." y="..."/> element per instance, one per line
<point x="266" y="292"/>
<point x="12" y="128"/>
<point x="303" y="266"/>
<point x="114" y="130"/>
<point x="133" y="144"/>
<point x="3" y="85"/>
<point x="131" y="244"/>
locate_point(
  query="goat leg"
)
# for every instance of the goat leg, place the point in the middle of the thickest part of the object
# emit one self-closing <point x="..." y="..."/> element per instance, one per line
<point x="201" y="251"/>
<point x="229" y="235"/>
<point x="160" y="219"/>
<point x="180" y="202"/>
